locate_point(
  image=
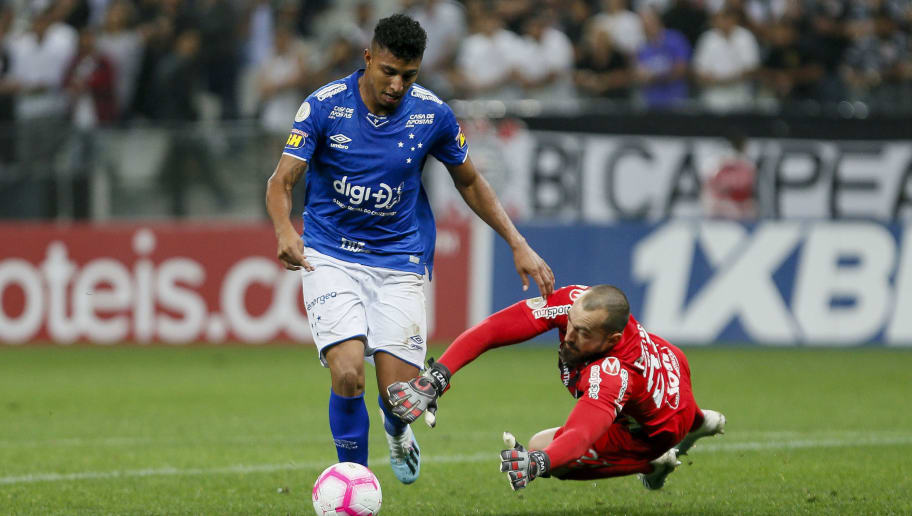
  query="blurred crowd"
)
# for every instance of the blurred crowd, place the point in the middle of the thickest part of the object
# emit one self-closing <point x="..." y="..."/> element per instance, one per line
<point x="89" y="64"/>
<point x="107" y="61"/>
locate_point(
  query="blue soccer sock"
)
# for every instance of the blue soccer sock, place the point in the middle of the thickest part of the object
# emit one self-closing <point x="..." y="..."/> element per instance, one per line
<point x="392" y="424"/>
<point x="350" y="424"/>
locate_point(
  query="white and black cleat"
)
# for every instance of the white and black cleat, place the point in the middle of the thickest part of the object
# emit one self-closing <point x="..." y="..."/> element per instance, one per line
<point x="661" y="468"/>
<point x="713" y="424"/>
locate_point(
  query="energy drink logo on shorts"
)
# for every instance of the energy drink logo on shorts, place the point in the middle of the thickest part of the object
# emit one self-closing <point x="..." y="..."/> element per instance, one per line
<point x="320" y="300"/>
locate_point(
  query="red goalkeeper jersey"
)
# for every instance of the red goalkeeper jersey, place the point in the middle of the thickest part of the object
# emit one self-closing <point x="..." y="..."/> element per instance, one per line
<point x="642" y="377"/>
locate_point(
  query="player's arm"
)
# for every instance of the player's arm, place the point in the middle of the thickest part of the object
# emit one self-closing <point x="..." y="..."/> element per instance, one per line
<point x="478" y="194"/>
<point x="586" y="423"/>
<point x="508" y="326"/>
<point x="287" y="173"/>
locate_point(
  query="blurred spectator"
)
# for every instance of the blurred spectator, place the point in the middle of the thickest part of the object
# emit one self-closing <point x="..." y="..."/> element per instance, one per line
<point x="218" y="25"/>
<point x="342" y="58"/>
<point x="486" y="62"/>
<point x="257" y="28"/>
<point x="574" y="20"/>
<point x="725" y="59"/>
<point x="828" y="30"/>
<point x="189" y="155"/>
<point x="624" y="26"/>
<point x="90" y="85"/>
<point x="687" y="17"/>
<point x="444" y="22"/>
<point x="280" y="80"/>
<point x="513" y="13"/>
<point x="729" y="188"/>
<point x="548" y="73"/>
<point x="38" y="59"/>
<point x="123" y="45"/>
<point x="603" y="71"/>
<point x="875" y="60"/>
<point x="363" y="21"/>
<point x="305" y="13"/>
<point x="661" y="64"/>
<point x="7" y="90"/>
<point x="792" y="68"/>
<point x="161" y="17"/>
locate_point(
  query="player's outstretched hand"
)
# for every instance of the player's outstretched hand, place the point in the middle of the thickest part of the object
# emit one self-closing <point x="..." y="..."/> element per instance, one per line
<point x="530" y="265"/>
<point x="291" y="252"/>
<point x="520" y="465"/>
<point x="412" y="398"/>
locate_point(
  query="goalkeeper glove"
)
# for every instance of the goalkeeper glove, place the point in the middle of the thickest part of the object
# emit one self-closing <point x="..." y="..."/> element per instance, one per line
<point x="520" y="465"/>
<point x="408" y="400"/>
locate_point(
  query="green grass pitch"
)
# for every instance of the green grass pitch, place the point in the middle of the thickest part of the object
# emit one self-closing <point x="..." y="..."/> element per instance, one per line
<point x="233" y="430"/>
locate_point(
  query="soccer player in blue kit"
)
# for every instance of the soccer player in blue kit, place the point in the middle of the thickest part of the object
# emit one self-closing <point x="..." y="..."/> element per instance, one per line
<point x="369" y="234"/>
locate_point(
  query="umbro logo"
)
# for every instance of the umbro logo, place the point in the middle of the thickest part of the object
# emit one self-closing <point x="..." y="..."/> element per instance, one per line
<point x="340" y="141"/>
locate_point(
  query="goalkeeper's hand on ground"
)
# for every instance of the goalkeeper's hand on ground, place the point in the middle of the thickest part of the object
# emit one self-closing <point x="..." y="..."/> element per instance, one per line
<point x="520" y="465"/>
<point x="410" y="399"/>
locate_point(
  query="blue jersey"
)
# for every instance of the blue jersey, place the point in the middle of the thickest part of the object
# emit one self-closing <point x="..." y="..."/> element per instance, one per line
<point x="364" y="199"/>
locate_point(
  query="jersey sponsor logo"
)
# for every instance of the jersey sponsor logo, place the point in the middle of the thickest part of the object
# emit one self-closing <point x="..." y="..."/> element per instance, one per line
<point x="550" y="312"/>
<point x="341" y="112"/>
<point x="535" y="302"/>
<point x="673" y="372"/>
<point x="353" y="246"/>
<point x="303" y="112"/>
<point x="295" y="139"/>
<point x="331" y="90"/>
<point x="339" y="141"/>
<point x="384" y="196"/>
<point x="419" y="119"/>
<point x="621" y="391"/>
<point x="576" y="293"/>
<point x="611" y="365"/>
<point x="595" y="381"/>
<point x="424" y="94"/>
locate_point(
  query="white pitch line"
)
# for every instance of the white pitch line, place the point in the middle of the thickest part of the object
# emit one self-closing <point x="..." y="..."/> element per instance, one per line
<point x="477" y="457"/>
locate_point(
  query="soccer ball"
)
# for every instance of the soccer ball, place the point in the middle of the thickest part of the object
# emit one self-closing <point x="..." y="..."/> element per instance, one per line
<point x="347" y="488"/>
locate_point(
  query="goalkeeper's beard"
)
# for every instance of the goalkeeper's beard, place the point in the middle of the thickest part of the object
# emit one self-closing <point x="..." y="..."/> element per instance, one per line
<point x="572" y="357"/>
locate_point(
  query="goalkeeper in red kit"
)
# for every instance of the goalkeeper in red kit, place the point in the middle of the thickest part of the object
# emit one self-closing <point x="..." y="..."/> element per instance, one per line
<point x="635" y="411"/>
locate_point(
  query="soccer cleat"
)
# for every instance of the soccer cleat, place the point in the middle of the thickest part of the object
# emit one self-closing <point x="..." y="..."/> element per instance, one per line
<point x="661" y="468"/>
<point x="405" y="456"/>
<point x="713" y="424"/>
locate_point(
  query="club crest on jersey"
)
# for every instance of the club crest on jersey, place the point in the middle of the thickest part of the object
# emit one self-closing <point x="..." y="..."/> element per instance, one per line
<point x="611" y="365"/>
<point x="575" y="293"/>
<point x="377" y="121"/>
<point x="303" y="112"/>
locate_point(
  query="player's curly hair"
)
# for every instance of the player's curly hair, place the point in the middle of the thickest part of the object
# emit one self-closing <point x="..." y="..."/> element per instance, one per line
<point x="402" y="36"/>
